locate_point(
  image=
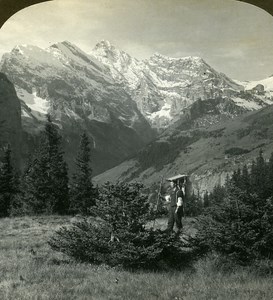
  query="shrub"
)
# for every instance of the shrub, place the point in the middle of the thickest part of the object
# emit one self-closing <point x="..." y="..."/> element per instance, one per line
<point x="193" y="205"/>
<point x="119" y="237"/>
<point x="239" y="228"/>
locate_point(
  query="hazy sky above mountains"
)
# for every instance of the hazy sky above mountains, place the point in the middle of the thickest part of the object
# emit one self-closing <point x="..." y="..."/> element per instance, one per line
<point x="233" y="37"/>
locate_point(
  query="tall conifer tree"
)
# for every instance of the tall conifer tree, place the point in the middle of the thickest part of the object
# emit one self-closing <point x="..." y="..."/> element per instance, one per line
<point x="245" y="179"/>
<point x="258" y="176"/>
<point x="82" y="190"/>
<point x="206" y="200"/>
<point x="58" y="173"/>
<point x="270" y="176"/>
<point x="8" y="186"/>
<point x="46" y="178"/>
<point x="36" y="181"/>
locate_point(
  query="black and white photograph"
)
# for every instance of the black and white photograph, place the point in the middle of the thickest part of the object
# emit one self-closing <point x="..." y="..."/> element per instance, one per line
<point x="136" y="149"/>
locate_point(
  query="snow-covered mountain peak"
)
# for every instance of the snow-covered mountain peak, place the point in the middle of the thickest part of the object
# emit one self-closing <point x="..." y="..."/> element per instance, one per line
<point x="64" y="47"/>
<point x="69" y="50"/>
<point x="123" y="68"/>
<point x="161" y="86"/>
<point x="157" y="55"/>
<point x="105" y="44"/>
<point x="164" y="86"/>
<point x="69" y="53"/>
<point x="27" y="50"/>
<point x="104" y="49"/>
<point x="109" y="54"/>
<point x="263" y="88"/>
<point x="69" y="82"/>
<point x="29" y="57"/>
<point x="19" y="49"/>
<point x="188" y="61"/>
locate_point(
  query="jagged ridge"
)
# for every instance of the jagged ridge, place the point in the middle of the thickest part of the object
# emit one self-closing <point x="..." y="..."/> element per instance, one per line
<point x="118" y="98"/>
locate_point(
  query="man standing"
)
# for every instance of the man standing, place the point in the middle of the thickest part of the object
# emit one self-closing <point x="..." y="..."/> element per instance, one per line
<point x="175" y="200"/>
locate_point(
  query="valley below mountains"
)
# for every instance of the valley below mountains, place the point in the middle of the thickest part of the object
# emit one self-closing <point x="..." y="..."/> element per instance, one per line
<point x="144" y="118"/>
<point x="208" y="154"/>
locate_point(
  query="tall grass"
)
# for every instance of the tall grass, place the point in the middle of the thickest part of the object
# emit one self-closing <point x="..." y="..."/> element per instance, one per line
<point x="29" y="269"/>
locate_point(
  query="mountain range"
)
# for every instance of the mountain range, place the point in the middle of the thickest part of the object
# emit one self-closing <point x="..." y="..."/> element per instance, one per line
<point x="148" y="113"/>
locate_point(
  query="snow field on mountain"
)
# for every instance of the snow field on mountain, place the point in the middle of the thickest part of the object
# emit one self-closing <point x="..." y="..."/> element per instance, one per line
<point x="72" y="53"/>
<point x="33" y="101"/>
<point x="180" y="80"/>
<point x="110" y="73"/>
<point x="267" y="83"/>
<point x="249" y="105"/>
<point x="165" y="112"/>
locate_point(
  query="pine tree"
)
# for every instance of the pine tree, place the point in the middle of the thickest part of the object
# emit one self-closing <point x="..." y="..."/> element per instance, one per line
<point x="8" y="186"/>
<point x="241" y="225"/>
<point x="36" y="181"/>
<point x="258" y="176"/>
<point x="218" y="193"/>
<point x="206" y="200"/>
<point x="46" y="178"/>
<point x="194" y="205"/>
<point x="58" y="172"/>
<point x="245" y="179"/>
<point x="236" y="177"/>
<point x="270" y="176"/>
<point x="82" y="191"/>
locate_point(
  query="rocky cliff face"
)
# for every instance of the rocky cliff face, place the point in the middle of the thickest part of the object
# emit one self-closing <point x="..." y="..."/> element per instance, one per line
<point x="10" y="117"/>
<point x="163" y="87"/>
<point x="124" y="103"/>
<point x="79" y="93"/>
<point x="66" y="82"/>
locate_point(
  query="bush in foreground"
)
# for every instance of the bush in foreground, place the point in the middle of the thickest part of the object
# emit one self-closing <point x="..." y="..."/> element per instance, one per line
<point x="239" y="222"/>
<point x="118" y="236"/>
<point x="239" y="228"/>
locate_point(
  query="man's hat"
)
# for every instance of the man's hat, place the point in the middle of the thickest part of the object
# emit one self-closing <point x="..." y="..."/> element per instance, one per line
<point x="177" y="177"/>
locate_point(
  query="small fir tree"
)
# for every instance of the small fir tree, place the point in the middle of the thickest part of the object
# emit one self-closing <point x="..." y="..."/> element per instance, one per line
<point x="193" y="205"/>
<point x="121" y="235"/>
<point x="218" y="193"/>
<point x="240" y="227"/>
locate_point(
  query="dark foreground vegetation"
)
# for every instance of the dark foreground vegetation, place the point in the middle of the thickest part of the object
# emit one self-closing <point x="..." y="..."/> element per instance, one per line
<point x="120" y="236"/>
<point x="238" y="221"/>
<point x="30" y="269"/>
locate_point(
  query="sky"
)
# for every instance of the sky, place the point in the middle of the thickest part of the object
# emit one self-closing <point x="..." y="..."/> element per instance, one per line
<point x="235" y="38"/>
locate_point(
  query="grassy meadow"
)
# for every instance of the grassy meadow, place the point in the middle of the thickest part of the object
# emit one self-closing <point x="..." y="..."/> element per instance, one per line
<point x="29" y="269"/>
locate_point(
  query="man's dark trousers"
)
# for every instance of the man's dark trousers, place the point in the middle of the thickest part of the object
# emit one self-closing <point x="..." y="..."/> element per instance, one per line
<point x="175" y="218"/>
